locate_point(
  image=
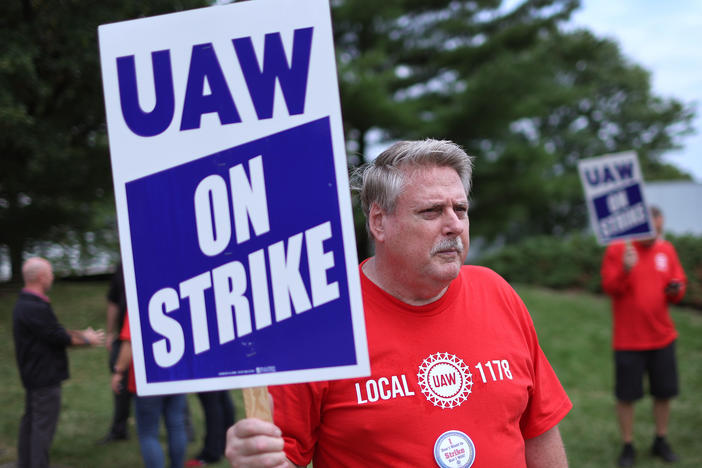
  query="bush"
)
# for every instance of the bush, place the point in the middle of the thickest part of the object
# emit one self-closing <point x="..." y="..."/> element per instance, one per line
<point x="573" y="262"/>
<point x="690" y="252"/>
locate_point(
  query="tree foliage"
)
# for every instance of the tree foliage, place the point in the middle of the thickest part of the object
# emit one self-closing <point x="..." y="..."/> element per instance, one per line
<point x="584" y="99"/>
<point x="54" y="165"/>
<point x="523" y="94"/>
<point x="518" y="91"/>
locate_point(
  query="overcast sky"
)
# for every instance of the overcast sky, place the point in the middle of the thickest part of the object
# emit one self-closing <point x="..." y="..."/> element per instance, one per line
<point x="664" y="37"/>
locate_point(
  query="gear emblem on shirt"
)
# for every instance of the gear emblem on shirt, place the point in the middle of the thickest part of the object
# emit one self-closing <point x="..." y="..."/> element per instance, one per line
<point x="661" y="261"/>
<point x="445" y="380"/>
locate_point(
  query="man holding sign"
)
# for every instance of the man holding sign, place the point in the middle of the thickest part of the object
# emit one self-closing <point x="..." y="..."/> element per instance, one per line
<point x="642" y="277"/>
<point x="457" y="375"/>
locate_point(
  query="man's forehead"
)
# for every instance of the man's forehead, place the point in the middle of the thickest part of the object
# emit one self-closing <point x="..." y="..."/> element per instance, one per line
<point x="38" y="263"/>
<point x="433" y="185"/>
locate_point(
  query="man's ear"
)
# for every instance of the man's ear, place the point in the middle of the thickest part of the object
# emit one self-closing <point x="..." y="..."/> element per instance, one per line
<point x="376" y="222"/>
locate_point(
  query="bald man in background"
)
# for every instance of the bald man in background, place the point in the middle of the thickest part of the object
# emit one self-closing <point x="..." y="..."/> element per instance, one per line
<point x="40" y="349"/>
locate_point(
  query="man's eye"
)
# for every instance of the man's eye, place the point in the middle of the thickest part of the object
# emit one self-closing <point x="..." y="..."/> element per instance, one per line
<point x="461" y="211"/>
<point x="431" y="212"/>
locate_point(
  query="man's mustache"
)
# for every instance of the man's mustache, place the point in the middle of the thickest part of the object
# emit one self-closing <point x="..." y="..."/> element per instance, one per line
<point x="448" y="244"/>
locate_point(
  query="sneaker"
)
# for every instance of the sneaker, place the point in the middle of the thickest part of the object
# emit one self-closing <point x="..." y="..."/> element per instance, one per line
<point x="626" y="458"/>
<point x="194" y="462"/>
<point x="662" y="450"/>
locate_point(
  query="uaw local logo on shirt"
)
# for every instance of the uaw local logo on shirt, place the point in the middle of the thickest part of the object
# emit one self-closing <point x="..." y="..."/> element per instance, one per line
<point x="445" y="380"/>
<point x="661" y="261"/>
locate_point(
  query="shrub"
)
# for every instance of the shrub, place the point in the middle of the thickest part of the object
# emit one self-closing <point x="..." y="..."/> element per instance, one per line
<point x="574" y="262"/>
<point x="690" y="252"/>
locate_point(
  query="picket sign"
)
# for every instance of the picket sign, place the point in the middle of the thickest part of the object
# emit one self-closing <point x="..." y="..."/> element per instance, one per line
<point x="232" y="195"/>
<point x="613" y="185"/>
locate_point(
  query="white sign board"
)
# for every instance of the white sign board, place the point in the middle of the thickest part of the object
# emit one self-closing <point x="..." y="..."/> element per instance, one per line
<point x="614" y="192"/>
<point x="232" y="197"/>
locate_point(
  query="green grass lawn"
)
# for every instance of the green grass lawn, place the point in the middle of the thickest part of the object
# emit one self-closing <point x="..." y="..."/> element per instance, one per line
<point x="574" y="330"/>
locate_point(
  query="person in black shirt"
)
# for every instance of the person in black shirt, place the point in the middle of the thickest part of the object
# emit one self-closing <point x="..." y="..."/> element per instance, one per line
<point x="40" y="350"/>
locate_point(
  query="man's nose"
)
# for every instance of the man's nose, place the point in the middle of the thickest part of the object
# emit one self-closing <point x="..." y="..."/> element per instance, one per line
<point x="453" y="224"/>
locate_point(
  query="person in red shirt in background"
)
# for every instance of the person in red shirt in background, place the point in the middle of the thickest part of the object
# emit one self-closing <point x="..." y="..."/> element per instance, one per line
<point x="642" y="277"/>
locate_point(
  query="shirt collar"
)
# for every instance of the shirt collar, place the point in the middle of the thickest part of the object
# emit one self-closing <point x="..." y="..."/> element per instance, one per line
<point x="41" y="296"/>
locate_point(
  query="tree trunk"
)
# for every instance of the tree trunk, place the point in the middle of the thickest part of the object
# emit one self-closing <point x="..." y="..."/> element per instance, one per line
<point x="16" y="246"/>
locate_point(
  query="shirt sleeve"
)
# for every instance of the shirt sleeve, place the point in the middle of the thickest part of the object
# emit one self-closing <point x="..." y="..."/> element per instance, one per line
<point x="43" y="322"/>
<point x="678" y="274"/>
<point x="297" y="412"/>
<point x="125" y="334"/>
<point x="548" y="401"/>
<point x="614" y="277"/>
<point x="114" y="293"/>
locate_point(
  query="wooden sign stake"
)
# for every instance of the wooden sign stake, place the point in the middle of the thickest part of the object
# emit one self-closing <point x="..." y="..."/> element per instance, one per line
<point x="257" y="403"/>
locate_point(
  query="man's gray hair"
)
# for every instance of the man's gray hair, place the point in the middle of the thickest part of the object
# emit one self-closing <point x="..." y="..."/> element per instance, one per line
<point x="382" y="180"/>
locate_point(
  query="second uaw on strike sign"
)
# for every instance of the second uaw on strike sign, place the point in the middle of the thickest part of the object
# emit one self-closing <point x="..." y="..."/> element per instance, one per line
<point x="232" y="196"/>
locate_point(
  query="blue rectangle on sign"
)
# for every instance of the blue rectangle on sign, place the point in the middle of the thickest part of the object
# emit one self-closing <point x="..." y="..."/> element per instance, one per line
<point x="621" y="213"/>
<point x="228" y="274"/>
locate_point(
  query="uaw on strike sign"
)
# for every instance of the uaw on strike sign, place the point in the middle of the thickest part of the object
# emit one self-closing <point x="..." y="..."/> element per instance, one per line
<point x="613" y="186"/>
<point x="232" y="196"/>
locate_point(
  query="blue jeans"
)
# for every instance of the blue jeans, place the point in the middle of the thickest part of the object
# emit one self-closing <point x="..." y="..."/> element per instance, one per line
<point x="148" y="416"/>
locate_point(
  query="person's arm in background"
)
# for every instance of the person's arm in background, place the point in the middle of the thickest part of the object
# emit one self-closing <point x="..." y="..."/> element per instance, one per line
<point x="44" y="324"/>
<point x="87" y="337"/>
<point x="546" y="450"/>
<point x="124" y="358"/>
<point x="675" y="289"/>
<point x="112" y="323"/>
<point x="115" y="302"/>
<point x="616" y="265"/>
<point x="124" y="361"/>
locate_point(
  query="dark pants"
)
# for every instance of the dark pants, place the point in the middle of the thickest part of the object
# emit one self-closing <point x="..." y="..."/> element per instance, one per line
<point x="219" y="416"/>
<point x="660" y="365"/>
<point x="122" y="400"/>
<point x="38" y="425"/>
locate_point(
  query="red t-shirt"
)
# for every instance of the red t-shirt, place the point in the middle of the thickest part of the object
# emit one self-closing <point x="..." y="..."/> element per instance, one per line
<point x="125" y="335"/>
<point x="639" y="302"/>
<point x="469" y="362"/>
